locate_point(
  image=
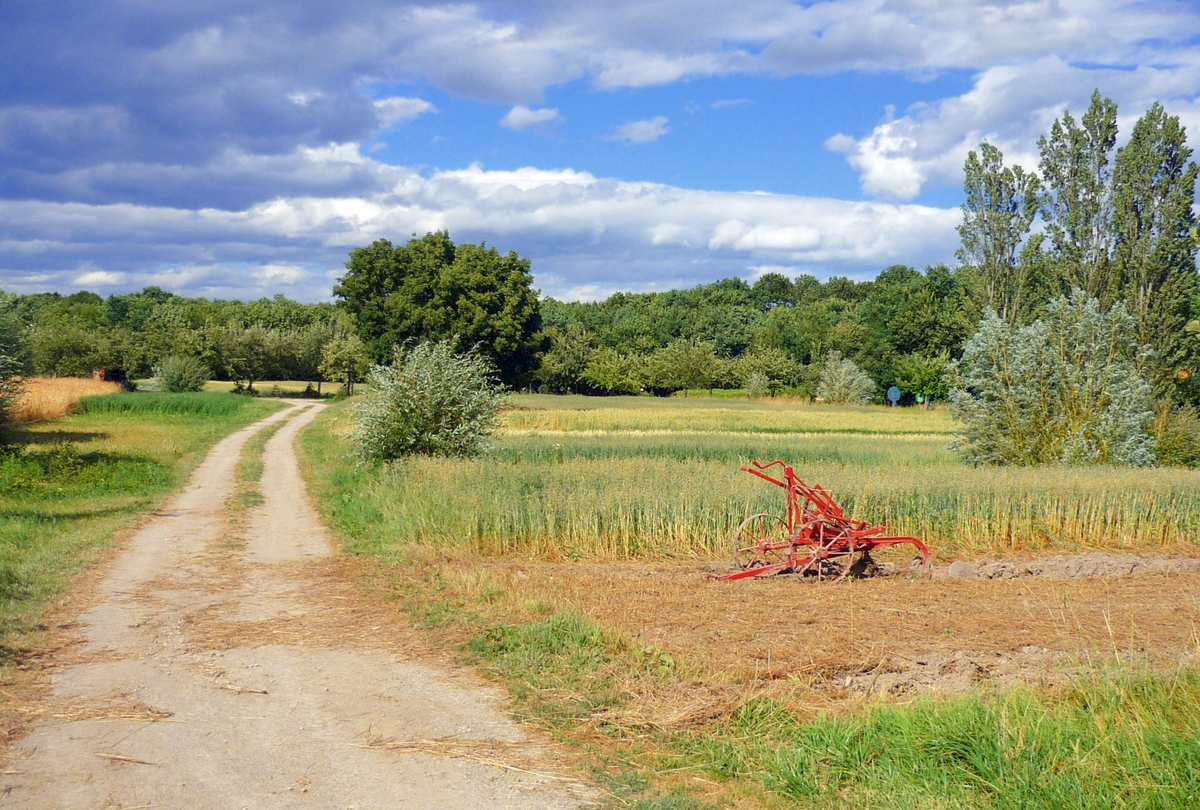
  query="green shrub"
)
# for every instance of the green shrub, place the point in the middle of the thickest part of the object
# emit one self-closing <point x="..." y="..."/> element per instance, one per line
<point x="842" y="382"/>
<point x="1066" y="388"/>
<point x="1177" y="436"/>
<point x="182" y="374"/>
<point x="432" y="401"/>
<point x="10" y="387"/>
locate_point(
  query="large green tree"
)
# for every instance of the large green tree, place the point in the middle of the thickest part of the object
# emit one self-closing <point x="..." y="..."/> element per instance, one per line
<point x="1077" y="199"/>
<point x="998" y="213"/>
<point x="432" y="289"/>
<point x="1155" y="253"/>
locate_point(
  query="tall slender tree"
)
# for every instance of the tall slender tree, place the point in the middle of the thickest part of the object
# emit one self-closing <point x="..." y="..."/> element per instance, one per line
<point x="1077" y="199"/>
<point x="1155" y="256"/>
<point x="997" y="215"/>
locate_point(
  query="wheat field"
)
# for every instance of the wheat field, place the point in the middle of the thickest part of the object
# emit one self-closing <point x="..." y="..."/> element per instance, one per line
<point x="583" y="493"/>
<point x="45" y="398"/>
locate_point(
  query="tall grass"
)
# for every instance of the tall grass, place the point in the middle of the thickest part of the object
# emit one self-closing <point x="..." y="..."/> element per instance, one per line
<point x="1113" y="740"/>
<point x="193" y="404"/>
<point x="623" y="497"/>
<point x="45" y="398"/>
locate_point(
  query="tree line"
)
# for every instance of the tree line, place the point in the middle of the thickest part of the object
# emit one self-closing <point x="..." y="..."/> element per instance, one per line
<point x="1115" y="224"/>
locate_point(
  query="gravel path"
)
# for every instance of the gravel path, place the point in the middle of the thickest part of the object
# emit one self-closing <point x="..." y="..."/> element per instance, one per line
<point x="228" y="662"/>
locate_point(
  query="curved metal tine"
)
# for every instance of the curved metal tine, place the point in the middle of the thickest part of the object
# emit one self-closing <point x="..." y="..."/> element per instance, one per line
<point x="849" y="563"/>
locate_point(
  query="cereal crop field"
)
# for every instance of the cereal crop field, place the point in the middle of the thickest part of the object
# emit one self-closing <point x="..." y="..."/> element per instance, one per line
<point x="571" y="563"/>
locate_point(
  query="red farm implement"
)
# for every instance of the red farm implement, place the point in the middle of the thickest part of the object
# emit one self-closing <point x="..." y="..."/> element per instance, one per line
<point x="813" y="538"/>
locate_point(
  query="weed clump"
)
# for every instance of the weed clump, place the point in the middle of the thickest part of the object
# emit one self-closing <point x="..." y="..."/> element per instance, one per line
<point x="431" y="401"/>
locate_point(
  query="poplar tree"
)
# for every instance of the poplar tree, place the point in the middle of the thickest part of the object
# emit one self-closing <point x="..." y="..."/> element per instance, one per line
<point x="1077" y="198"/>
<point x="997" y="215"/>
<point x="1155" y="253"/>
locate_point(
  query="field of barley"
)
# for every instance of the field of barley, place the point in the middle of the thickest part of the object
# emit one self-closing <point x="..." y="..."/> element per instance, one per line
<point x="575" y="478"/>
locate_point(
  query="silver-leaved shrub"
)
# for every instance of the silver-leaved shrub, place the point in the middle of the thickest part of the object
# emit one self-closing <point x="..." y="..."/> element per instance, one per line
<point x="1065" y="389"/>
<point x="430" y="401"/>
<point x="842" y="382"/>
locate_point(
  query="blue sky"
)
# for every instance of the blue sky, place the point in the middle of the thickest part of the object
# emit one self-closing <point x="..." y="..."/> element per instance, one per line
<point x="235" y="150"/>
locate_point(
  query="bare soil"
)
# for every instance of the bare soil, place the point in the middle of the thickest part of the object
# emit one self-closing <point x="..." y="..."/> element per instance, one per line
<point x="886" y="635"/>
<point x="228" y="660"/>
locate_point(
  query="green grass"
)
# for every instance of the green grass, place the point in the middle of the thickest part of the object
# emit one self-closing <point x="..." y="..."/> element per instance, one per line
<point x="629" y="495"/>
<point x="132" y="404"/>
<point x="69" y="486"/>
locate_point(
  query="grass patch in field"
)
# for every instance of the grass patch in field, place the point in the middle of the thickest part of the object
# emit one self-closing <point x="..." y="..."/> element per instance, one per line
<point x="539" y="412"/>
<point x="73" y="483"/>
<point x="163" y="404"/>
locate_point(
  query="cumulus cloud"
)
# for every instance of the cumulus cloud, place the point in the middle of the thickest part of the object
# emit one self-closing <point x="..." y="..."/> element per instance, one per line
<point x="584" y="233"/>
<point x="399" y="110"/>
<point x="1009" y="106"/>
<point x="646" y="131"/>
<point x="521" y="117"/>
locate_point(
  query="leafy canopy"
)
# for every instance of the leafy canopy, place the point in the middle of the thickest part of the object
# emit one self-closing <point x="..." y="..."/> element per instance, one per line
<point x="433" y="289"/>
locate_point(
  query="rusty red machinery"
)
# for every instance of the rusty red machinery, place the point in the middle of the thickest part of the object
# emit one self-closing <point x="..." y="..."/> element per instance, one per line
<point x="814" y="537"/>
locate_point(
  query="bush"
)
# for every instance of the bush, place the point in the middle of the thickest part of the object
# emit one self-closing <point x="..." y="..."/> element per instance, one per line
<point x="1177" y="436"/>
<point x="432" y="401"/>
<point x="842" y="382"/>
<point x="757" y="385"/>
<point x="182" y="375"/>
<point x="1066" y="388"/>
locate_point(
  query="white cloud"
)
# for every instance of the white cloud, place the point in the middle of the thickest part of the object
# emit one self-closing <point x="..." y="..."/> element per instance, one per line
<point x="586" y="235"/>
<point x="400" y="110"/>
<point x="641" y="131"/>
<point x="520" y="117"/>
<point x="100" y="278"/>
<point x="1010" y="106"/>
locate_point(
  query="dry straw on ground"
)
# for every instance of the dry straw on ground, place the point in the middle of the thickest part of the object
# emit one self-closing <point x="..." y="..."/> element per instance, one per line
<point x="47" y="398"/>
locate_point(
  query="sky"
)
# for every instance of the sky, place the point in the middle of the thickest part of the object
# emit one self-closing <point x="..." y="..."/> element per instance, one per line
<point x="240" y="150"/>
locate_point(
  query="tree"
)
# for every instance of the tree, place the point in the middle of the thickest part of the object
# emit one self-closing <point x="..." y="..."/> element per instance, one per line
<point x="842" y="382"/>
<point x="683" y="365"/>
<point x="1155" y="255"/>
<point x="430" y="401"/>
<point x="344" y="359"/>
<point x="1066" y="388"/>
<point x="614" y="373"/>
<point x="561" y="369"/>
<point x="247" y="352"/>
<point x="923" y="375"/>
<point x="432" y="289"/>
<point x="1077" y="201"/>
<point x="771" y="367"/>
<point x="997" y="215"/>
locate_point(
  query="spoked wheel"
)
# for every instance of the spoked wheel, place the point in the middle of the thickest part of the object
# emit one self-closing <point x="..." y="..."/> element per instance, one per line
<point x="760" y="540"/>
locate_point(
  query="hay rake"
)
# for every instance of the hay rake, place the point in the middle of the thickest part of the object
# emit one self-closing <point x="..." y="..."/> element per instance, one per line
<point x="813" y="538"/>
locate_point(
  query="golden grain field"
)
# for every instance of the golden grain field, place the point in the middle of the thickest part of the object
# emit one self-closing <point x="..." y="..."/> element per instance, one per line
<point x="46" y="398"/>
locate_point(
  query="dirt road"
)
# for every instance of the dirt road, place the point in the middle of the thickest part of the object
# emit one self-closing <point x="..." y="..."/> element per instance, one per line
<point x="226" y="661"/>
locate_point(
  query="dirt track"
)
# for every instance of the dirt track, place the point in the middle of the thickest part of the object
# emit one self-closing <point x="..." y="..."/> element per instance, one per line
<point x="228" y="662"/>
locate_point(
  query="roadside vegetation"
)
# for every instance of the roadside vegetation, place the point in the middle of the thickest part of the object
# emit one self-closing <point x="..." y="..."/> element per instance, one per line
<point x="68" y="486"/>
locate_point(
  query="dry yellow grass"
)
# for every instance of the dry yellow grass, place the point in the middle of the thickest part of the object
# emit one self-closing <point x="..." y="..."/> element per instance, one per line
<point x="51" y="397"/>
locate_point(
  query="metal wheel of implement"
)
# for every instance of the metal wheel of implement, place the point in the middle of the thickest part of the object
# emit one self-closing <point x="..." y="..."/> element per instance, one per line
<point x="748" y="548"/>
